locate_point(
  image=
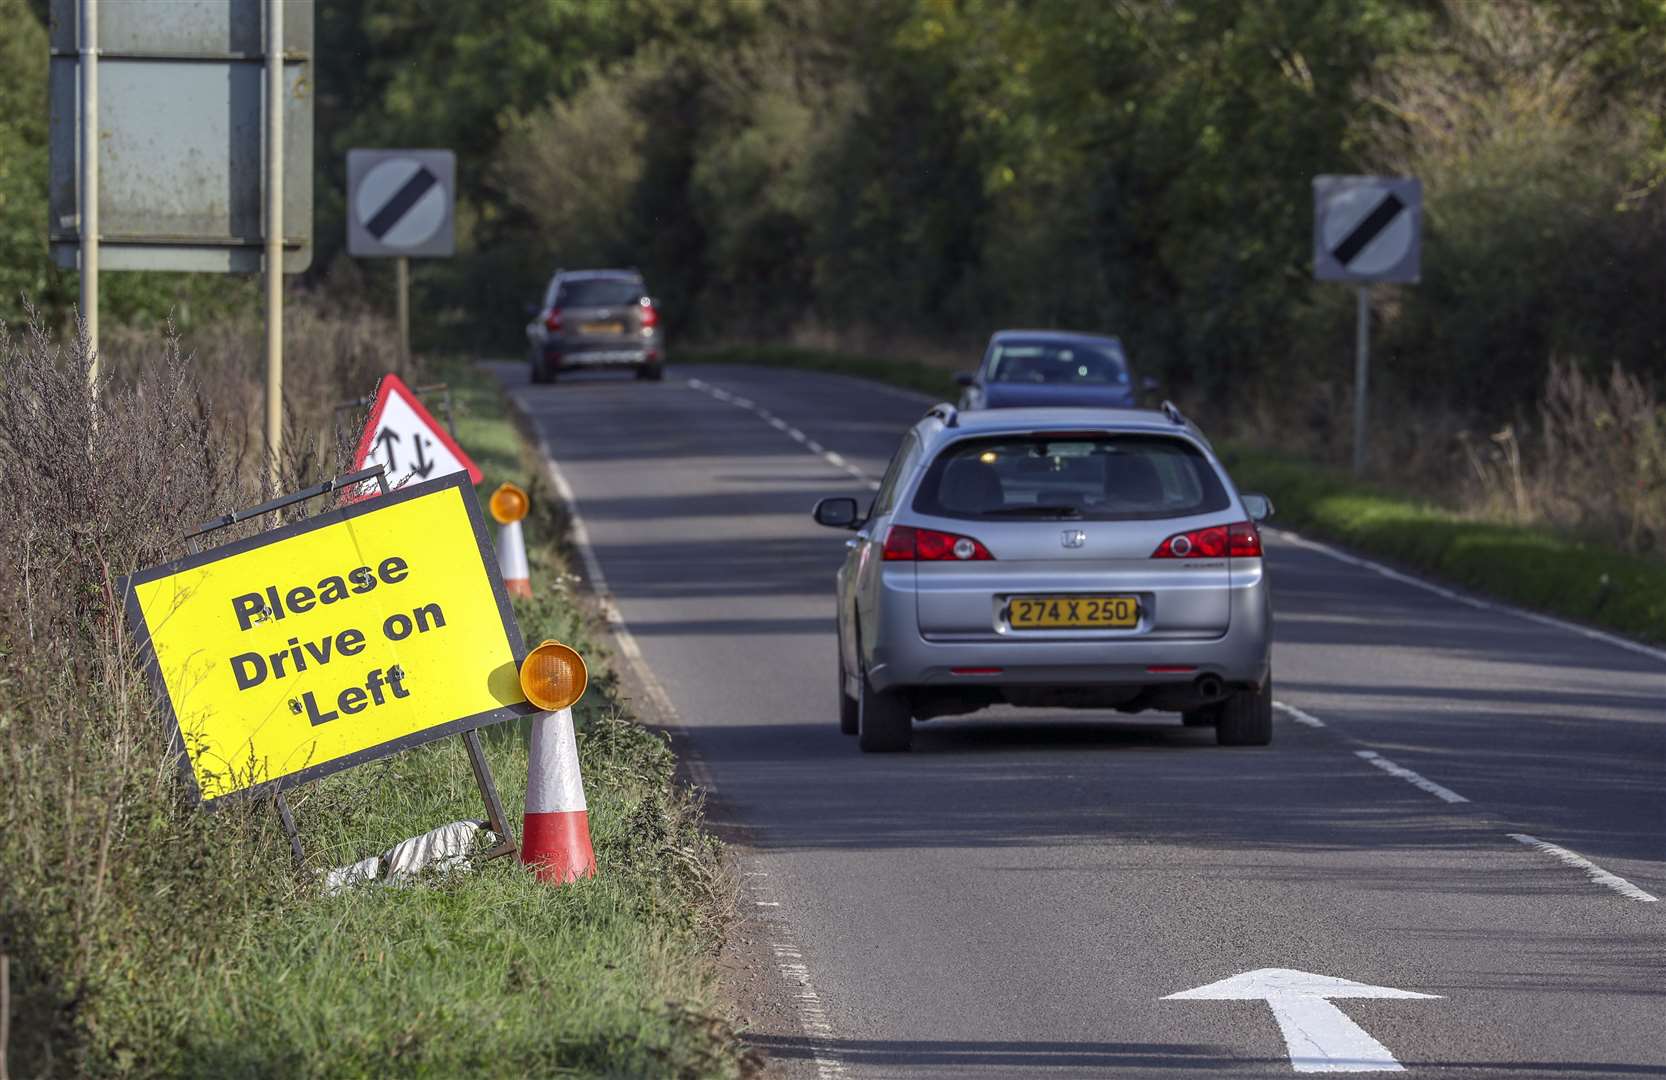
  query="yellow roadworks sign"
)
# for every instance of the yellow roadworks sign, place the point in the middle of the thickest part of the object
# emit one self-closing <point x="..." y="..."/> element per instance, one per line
<point x="340" y="639"/>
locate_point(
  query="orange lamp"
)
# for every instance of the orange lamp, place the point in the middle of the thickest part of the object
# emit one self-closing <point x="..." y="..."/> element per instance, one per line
<point x="508" y="504"/>
<point x="553" y="676"/>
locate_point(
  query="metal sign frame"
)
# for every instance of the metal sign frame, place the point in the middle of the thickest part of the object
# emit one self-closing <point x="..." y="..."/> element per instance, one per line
<point x="467" y="726"/>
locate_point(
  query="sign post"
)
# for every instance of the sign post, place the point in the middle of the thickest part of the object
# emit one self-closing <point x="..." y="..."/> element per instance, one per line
<point x="88" y="224"/>
<point x="1366" y="229"/>
<point x="274" y="244"/>
<point x="401" y="205"/>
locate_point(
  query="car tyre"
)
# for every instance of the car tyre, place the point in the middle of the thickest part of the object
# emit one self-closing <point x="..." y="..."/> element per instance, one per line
<point x="883" y="723"/>
<point x="539" y="375"/>
<point x="1246" y="718"/>
<point x="849" y="708"/>
<point x="651" y="372"/>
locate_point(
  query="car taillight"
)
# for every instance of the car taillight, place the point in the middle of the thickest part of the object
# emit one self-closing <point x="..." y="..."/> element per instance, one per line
<point x="1241" y="540"/>
<point x="552" y="321"/>
<point x="650" y="316"/>
<point x="904" y="543"/>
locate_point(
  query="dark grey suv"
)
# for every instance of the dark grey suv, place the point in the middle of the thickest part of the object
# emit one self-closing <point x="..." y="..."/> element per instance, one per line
<point x="596" y="319"/>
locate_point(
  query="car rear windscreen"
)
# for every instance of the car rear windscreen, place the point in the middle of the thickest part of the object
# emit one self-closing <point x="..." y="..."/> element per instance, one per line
<point x="1041" y="362"/>
<point x="598" y="292"/>
<point x="1076" y="476"/>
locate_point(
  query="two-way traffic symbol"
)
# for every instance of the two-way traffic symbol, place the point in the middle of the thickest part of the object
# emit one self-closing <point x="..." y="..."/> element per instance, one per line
<point x="1318" y="1036"/>
<point x="385" y="440"/>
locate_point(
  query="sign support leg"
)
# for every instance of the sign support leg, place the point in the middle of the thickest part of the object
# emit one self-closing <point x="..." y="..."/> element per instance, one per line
<point x="488" y="790"/>
<point x="1362" y="370"/>
<point x="290" y="830"/>
<point x="274" y="244"/>
<point x="89" y="184"/>
<point x="402" y="279"/>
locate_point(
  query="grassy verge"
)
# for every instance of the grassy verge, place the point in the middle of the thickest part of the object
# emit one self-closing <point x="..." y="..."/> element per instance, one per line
<point x="1535" y="568"/>
<point x="478" y="973"/>
<point x="908" y="374"/>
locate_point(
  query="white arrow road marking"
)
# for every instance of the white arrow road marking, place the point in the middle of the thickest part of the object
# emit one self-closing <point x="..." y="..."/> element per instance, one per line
<point x="1318" y="1035"/>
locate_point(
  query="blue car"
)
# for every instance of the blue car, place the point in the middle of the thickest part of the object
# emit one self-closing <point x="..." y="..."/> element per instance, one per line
<point x="1028" y="368"/>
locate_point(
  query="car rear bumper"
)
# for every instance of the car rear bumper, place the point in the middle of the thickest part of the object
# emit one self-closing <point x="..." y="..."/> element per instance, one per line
<point x="1239" y="655"/>
<point x="602" y="357"/>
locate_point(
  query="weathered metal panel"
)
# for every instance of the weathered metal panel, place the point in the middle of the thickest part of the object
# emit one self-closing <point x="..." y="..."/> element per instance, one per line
<point x="203" y="28"/>
<point x="182" y="155"/>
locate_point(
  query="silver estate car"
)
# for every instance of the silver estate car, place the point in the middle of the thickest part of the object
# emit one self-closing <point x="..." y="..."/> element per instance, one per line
<point x="1056" y="558"/>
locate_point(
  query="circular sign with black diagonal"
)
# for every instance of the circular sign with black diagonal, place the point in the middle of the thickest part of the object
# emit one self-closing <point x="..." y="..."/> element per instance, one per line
<point x="399" y="203"/>
<point x="1367" y="228"/>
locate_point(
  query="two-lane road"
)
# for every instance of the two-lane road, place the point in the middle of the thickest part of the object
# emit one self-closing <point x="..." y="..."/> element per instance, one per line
<point x="1019" y="895"/>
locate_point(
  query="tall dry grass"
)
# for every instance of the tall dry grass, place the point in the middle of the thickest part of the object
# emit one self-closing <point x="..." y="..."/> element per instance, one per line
<point x="108" y="878"/>
<point x="1593" y="464"/>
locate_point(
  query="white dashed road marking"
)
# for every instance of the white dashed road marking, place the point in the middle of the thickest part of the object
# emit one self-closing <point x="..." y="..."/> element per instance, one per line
<point x="1298" y="715"/>
<point x="789" y="961"/>
<point x="1597" y="874"/>
<point x="797" y="436"/>
<point x="1416" y="780"/>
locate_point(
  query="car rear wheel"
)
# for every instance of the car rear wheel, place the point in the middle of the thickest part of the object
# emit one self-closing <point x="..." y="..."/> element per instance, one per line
<point x="650" y="372"/>
<point x="1246" y="718"/>
<point x="883" y="723"/>
<point x="849" y="707"/>
<point x="539" y="375"/>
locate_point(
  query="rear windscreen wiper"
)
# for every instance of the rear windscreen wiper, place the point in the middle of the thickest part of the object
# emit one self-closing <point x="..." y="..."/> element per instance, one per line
<point x="1035" y="511"/>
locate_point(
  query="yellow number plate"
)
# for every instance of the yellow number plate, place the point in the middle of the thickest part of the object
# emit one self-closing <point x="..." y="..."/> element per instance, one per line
<point x="602" y="328"/>
<point x="1072" y="612"/>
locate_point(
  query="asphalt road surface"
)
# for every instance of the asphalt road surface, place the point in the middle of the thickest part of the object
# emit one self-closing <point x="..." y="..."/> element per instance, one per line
<point x="1018" y="895"/>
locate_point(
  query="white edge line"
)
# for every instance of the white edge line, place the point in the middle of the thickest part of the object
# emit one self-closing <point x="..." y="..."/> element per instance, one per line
<point x="811" y="1015"/>
<point x="1475" y="602"/>
<point x="1596" y="873"/>
<point x="1415" y="779"/>
<point x="1298" y="715"/>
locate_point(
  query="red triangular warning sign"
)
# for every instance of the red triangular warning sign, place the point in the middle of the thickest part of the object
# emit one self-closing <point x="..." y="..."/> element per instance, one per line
<point x="404" y="438"/>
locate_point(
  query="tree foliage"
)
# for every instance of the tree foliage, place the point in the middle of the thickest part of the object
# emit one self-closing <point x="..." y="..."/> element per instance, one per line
<point x="906" y="170"/>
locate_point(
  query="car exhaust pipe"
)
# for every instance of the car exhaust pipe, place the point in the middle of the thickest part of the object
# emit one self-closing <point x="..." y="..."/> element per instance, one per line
<point x="1209" y="687"/>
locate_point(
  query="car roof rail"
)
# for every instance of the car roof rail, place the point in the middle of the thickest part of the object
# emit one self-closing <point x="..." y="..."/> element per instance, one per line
<point x="1172" y="411"/>
<point x="946" y="413"/>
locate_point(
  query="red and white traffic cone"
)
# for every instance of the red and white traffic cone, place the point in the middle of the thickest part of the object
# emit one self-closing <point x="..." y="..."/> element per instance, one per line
<point x="509" y="505"/>
<point x="511" y="559"/>
<point x="556" y="834"/>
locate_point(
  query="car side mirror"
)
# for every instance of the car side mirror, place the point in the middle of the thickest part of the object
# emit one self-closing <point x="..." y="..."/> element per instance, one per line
<point x="965" y="378"/>
<point x="1259" y="507"/>
<point x="838" y="512"/>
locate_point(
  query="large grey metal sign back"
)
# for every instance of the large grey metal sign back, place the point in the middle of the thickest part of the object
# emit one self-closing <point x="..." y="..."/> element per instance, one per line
<point x="400" y="203"/>
<point x="1367" y="228"/>
<point x="181" y="134"/>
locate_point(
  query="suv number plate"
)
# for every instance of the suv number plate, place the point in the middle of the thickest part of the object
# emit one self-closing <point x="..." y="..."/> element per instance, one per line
<point x="1072" y="612"/>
